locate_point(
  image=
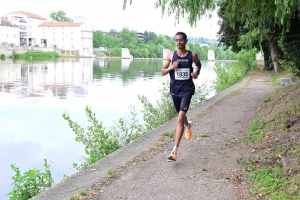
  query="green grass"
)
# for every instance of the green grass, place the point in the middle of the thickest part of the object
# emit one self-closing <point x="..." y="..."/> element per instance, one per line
<point x="256" y="132"/>
<point x="84" y="193"/>
<point x="35" y="55"/>
<point x="169" y="134"/>
<point x="110" y="174"/>
<point x="272" y="183"/>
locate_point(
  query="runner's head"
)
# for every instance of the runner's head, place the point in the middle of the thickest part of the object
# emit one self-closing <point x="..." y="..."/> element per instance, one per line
<point x="182" y="34"/>
<point x="180" y="40"/>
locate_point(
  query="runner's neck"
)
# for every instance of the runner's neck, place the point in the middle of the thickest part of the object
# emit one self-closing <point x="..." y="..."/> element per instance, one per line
<point x="182" y="53"/>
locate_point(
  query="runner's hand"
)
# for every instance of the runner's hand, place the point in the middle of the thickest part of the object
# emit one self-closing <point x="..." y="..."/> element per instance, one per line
<point x="174" y="65"/>
<point x="195" y="75"/>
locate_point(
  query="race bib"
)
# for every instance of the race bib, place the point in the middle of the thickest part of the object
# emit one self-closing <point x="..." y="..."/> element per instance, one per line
<point x="182" y="73"/>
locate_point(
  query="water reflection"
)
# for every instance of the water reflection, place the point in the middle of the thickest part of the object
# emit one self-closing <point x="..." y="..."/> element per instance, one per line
<point x="68" y="77"/>
<point x="34" y="95"/>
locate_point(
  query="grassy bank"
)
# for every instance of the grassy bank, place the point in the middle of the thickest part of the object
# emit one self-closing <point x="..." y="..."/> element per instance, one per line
<point x="275" y="138"/>
<point x="35" y="55"/>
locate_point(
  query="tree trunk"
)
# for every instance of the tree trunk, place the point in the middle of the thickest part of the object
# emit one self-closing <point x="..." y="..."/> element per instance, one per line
<point x="276" y="55"/>
<point x="266" y="53"/>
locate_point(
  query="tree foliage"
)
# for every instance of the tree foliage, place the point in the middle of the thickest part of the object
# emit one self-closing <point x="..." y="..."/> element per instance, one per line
<point x="59" y="16"/>
<point x="152" y="47"/>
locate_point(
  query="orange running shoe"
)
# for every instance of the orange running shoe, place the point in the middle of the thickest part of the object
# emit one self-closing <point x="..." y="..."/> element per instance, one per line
<point x="188" y="131"/>
<point x="173" y="156"/>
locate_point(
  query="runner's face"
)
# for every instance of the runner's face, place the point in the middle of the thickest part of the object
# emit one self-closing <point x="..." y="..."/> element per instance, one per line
<point x="180" y="41"/>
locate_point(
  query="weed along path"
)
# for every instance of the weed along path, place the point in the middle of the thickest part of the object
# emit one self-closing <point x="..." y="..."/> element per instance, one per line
<point x="206" y="168"/>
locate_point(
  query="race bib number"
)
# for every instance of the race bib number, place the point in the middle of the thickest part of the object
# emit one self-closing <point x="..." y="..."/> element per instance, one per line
<point x="182" y="73"/>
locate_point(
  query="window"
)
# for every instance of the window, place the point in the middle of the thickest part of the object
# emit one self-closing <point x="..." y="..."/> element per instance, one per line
<point x="53" y="33"/>
<point x="54" y="40"/>
<point x="62" y="33"/>
<point x="43" y="33"/>
<point x="53" y="28"/>
<point x="71" y="33"/>
<point x="72" y="40"/>
<point x="71" y="46"/>
<point x="63" y="40"/>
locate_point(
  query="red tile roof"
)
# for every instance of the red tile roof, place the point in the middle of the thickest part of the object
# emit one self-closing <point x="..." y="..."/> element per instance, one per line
<point x="28" y="14"/>
<point x="60" y="24"/>
<point x="5" y="22"/>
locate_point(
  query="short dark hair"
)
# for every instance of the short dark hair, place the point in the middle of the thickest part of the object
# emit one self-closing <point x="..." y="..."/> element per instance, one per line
<point x="183" y="34"/>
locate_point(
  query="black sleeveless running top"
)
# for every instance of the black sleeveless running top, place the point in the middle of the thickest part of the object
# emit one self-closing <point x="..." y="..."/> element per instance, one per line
<point x="181" y="80"/>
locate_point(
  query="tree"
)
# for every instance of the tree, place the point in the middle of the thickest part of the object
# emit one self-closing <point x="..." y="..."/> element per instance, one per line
<point x="239" y="35"/>
<point x="60" y="16"/>
<point x="149" y="36"/>
<point x="291" y="44"/>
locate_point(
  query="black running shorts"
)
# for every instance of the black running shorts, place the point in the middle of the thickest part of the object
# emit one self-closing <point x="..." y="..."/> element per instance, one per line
<point x="182" y="103"/>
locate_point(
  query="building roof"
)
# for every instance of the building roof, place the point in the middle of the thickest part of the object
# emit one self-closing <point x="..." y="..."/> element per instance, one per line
<point x="60" y="24"/>
<point x="5" y="22"/>
<point x="28" y="14"/>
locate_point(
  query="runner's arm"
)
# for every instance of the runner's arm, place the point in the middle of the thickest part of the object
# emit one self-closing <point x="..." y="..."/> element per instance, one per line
<point x="197" y="62"/>
<point x="166" y="66"/>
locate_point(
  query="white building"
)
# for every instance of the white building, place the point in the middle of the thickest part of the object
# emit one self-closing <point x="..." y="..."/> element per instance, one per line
<point x="25" y="28"/>
<point x="67" y="36"/>
<point x="27" y="23"/>
<point x="9" y="32"/>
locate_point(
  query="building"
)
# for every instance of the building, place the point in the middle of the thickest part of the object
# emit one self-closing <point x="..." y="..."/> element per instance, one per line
<point x="9" y="32"/>
<point x="25" y="28"/>
<point x="67" y="36"/>
<point x="27" y="23"/>
<point x="140" y="35"/>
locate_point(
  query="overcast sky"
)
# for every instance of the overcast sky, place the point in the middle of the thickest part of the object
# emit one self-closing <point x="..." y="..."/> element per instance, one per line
<point x="109" y="14"/>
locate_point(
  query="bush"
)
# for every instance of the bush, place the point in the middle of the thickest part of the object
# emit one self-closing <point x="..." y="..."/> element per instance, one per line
<point x="31" y="183"/>
<point x="98" y="142"/>
<point x="235" y="72"/>
<point x="3" y="56"/>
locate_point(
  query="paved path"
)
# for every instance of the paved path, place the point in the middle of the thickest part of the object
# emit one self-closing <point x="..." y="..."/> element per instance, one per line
<point x="206" y="166"/>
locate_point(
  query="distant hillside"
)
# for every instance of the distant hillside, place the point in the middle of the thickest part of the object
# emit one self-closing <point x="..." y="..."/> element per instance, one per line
<point x="202" y="40"/>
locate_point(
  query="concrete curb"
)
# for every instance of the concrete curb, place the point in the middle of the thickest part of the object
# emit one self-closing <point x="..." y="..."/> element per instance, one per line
<point x="83" y="179"/>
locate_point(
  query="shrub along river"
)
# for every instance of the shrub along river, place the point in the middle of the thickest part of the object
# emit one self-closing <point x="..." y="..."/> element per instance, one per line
<point x="34" y="95"/>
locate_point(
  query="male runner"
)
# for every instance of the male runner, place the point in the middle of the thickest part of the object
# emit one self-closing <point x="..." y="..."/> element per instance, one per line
<point x="182" y="87"/>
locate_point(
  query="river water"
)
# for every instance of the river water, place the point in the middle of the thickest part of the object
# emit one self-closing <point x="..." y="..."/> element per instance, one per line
<point x="35" y="94"/>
